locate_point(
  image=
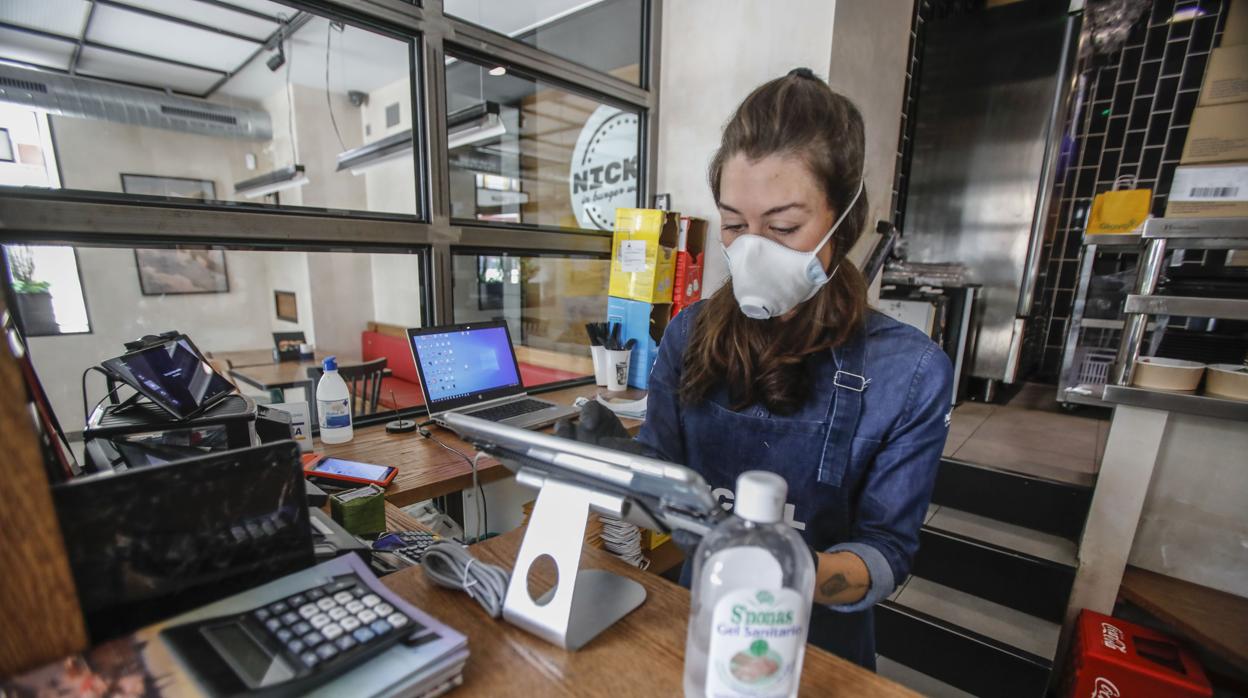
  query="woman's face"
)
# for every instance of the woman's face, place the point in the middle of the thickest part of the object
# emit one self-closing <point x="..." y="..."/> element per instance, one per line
<point x="778" y="198"/>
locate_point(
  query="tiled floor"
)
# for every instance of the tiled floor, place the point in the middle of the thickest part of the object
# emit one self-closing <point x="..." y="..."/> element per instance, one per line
<point x="1031" y="439"/>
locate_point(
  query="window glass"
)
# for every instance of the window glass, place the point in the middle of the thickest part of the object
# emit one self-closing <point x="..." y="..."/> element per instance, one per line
<point x="526" y="152"/>
<point x="605" y="35"/>
<point x="231" y="302"/>
<point x="545" y="301"/>
<point x="259" y="105"/>
<point x="47" y="290"/>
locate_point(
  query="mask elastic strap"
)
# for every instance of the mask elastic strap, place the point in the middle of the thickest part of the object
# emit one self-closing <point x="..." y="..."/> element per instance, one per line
<point x="862" y="184"/>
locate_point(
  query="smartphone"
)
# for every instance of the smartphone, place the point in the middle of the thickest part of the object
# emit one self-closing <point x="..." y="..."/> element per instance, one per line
<point x="351" y="472"/>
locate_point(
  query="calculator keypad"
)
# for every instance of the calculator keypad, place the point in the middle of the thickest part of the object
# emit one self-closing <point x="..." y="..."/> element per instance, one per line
<point x="315" y="626"/>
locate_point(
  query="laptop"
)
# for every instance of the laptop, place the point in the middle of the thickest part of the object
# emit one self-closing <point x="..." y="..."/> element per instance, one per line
<point x="472" y="369"/>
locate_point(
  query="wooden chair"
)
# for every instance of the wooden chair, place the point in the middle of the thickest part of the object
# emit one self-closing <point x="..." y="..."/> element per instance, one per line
<point x="363" y="380"/>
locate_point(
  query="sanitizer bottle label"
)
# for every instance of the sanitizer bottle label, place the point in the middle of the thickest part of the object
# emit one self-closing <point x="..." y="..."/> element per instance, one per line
<point x="334" y="413"/>
<point x="756" y="643"/>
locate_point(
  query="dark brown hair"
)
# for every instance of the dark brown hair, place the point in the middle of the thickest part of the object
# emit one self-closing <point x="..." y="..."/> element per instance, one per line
<point x="767" y="361"/>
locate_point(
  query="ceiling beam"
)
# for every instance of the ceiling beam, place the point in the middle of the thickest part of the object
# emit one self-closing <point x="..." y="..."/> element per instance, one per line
<point x="107" y="47"/>
<point x="179" y="20"/>
<point x="283" y="32"/>
<point x="82" y="37"/>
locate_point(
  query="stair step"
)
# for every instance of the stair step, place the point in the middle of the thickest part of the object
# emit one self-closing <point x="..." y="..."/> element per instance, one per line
<point x="965" y="641"/>
<point x="1048" y="506"/>
<point x="1005" y="535"/>
<point x="1033" y="585"/>
<point x="992" y="620"/>
<point x="916" y="681"/>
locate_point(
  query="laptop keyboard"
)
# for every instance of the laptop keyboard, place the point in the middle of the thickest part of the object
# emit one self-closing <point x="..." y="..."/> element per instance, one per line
<point x="507" y="410"/>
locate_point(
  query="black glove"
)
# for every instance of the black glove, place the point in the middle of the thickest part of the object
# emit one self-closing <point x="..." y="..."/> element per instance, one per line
<point x="599" y="426"/>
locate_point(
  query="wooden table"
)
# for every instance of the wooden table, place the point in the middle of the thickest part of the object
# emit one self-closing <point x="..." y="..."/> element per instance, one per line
<point x="426" y="470"/>
<point x="642" y="655"/>
<point x="1213" y="619"/>
<point x="244" y="357"/>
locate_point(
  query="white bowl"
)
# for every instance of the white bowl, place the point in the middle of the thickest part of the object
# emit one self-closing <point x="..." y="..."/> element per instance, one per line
<point x="1159" y="373"/>
<point x="1228" y="380"/>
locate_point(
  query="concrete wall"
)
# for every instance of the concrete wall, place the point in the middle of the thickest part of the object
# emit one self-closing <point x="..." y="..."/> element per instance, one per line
<point x="396" y="289"/>
<point x="715" y="52"/>
<point x="1194" y="525"/>
<point x="869" y="52"/>
<point x="119" y="312"/>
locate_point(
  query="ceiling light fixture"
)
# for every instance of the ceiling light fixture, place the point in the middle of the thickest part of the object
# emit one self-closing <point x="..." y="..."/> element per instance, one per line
<point x="473" y="125"/>
<point x="369" y="155"/>
<point x="269" y="183"/>
<point x="498" y="71"/>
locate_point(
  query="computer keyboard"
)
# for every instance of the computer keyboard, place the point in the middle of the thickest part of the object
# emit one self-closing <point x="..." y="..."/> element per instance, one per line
<point x="507" y="410"/>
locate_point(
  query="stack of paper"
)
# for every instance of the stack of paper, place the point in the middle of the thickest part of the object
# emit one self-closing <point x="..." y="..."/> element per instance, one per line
<point x="624" y="541"/>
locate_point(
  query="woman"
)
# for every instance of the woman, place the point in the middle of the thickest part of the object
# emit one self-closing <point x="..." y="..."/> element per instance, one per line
<point x="786" y="369"/>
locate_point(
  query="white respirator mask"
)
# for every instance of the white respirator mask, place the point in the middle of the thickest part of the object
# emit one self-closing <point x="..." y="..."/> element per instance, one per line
<point x="770" y="279"/>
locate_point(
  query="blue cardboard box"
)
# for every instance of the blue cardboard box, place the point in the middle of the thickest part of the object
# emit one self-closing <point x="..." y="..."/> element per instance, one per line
<point x="644" y="322"/>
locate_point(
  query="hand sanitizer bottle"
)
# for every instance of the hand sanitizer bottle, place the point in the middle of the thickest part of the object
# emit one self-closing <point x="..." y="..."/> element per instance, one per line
<point x="753" y="581"/>
<point x="333" y="405"/>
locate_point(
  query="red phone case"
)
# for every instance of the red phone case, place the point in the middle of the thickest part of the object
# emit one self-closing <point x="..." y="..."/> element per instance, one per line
<point x="309" y="470"/>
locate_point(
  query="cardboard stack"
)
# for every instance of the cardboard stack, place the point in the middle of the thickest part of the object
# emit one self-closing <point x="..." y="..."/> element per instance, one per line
<point x="652" y="252"/>
<point x="1212" y="178"/>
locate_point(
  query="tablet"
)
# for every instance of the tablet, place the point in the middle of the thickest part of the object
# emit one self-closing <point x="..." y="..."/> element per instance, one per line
<point x="669" y="495"/>
<point x="174" y="375"/>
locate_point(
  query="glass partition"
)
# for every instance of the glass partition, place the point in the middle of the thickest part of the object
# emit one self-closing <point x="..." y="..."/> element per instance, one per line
<point x="523" y="151"/>
<point x="212" y="102"/>
<point x="237" y="305"/>
<point x="605" y="35"/>
<point x="545" y="301"/>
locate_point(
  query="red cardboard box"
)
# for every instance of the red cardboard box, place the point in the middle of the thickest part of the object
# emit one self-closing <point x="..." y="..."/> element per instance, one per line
<point x="690" y="247"/>
<point x="1112" y="658"/>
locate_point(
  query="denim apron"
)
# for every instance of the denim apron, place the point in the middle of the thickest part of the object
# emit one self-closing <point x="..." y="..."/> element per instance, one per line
<point x="816" y="453"/>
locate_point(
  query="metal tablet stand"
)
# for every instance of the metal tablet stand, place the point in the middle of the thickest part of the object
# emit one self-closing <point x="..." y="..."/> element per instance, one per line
<point x="583" y="603"/>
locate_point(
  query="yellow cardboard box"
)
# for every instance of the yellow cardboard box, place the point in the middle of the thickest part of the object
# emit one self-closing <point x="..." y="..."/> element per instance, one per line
<point x="1226" y="77"/>
<point x="1217" y="134"/>
<point x="643" y="254"/>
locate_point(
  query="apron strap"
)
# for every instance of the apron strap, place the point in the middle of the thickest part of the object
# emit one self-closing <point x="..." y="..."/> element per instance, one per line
<point x="844" y="410"/>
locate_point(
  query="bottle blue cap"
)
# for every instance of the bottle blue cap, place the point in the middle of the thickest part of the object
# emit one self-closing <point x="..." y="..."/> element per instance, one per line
<point x="330" y="363"/>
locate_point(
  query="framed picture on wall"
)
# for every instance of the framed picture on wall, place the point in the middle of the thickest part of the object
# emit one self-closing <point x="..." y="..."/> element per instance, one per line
<point x="172" y="272"/>
<point x="177" y="187"/>
<point x="287" y="306"/>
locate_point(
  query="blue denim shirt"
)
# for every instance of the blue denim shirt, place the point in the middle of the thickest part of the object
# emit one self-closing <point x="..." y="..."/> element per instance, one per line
<point x="860" y="457"/>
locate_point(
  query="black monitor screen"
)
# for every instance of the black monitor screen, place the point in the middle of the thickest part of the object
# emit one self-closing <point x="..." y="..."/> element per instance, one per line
<point x="174" y="375"/>
<point x="149" y="543"/>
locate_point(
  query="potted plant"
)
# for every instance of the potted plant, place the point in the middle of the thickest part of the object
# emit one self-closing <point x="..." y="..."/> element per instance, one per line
<point x="34" y="301"/>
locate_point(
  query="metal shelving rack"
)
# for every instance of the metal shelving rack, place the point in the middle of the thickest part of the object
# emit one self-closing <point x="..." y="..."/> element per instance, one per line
<point x="1157" y="235"/>
<point x="1087" y="357"/>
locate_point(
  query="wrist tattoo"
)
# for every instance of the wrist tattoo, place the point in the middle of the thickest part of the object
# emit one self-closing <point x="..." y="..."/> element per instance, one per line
<point x="834" y="585"/>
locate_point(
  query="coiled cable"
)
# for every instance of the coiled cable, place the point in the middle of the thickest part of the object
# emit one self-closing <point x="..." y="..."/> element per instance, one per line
<point x="449" y="564"/>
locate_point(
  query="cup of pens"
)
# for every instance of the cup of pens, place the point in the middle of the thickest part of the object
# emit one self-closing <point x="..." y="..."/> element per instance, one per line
<point x="611" y="355"/>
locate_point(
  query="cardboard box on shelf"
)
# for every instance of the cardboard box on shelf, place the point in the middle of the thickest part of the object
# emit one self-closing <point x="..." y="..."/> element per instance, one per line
<point x="643" y="254"/>
<point x="1235" y="32"/>
<point x="1226" y="76"/>
<point x="1209" y="191"/>
<point x="1217" y="134"/>
<point x="644" y="322"/>
<point x="690" y="250"/>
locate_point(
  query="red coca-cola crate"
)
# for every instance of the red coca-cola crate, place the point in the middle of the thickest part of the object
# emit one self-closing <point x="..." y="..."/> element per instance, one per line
<point x="1112" y="658"/>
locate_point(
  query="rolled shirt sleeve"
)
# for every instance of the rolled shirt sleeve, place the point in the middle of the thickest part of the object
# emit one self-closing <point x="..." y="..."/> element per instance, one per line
<point x="897" y="487"/>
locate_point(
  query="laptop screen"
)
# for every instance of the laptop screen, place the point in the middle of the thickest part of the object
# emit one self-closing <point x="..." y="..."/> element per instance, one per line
<point x="465" y="364"/>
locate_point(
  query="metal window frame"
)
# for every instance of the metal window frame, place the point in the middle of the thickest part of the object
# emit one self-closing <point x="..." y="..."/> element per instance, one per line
<point x="75" y="218"/>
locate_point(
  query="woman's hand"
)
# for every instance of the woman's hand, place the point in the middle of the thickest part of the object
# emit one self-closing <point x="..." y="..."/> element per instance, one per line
<point x="599" y="426"/>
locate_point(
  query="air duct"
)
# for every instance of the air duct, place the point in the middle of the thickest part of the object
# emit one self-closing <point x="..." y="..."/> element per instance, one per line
<point x="69" y="95"/>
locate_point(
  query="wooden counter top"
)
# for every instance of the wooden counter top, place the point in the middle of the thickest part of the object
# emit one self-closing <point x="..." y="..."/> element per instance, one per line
<point x="642" y="655"/>
<point x="1213" y="619"/>
<point x="426" y="470"/>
